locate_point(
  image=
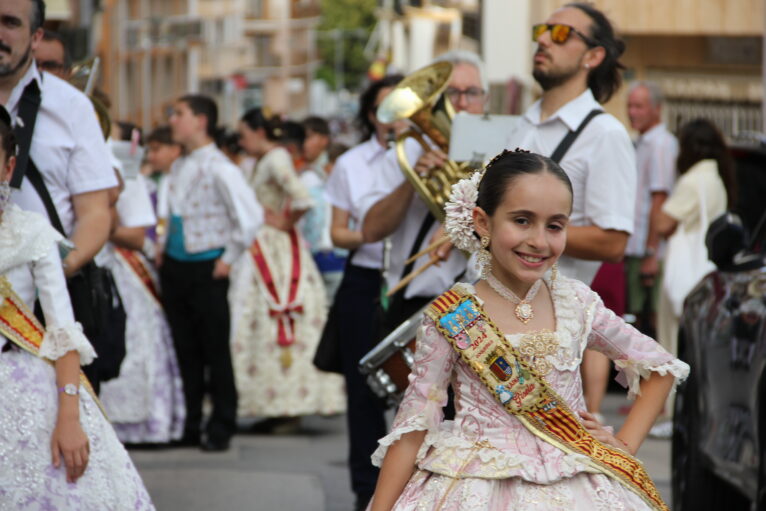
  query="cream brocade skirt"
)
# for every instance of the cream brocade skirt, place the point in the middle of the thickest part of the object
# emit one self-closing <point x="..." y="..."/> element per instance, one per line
<point x="265" y="386"/>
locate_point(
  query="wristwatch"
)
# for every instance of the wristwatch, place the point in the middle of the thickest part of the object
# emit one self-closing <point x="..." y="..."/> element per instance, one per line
<point x="70" y="389"/>
<point x="650" y="252"/>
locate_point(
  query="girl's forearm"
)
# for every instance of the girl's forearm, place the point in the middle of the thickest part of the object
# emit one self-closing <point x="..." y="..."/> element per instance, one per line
<point x="643" y="413"/>
<point x="397" y="469"/>
<point x="68" y="371"/>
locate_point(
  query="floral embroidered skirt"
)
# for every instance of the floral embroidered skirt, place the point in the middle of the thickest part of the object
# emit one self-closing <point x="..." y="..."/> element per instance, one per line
<point x="146" y="402"/>
<point x="28" y="480"/>
<point x="274" y="381"/>
<point x="427" y="491"/>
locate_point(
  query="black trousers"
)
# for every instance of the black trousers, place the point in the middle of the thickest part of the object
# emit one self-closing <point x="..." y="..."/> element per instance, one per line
<point x="197" y="308"/>
<point x="357" y="301"/>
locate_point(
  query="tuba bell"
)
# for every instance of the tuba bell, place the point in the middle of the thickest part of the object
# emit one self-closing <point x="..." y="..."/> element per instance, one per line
<point x="420" y="98"/>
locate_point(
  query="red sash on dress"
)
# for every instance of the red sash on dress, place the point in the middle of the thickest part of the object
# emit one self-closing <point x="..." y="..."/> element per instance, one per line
<point x="284" y="313"/>
<point x="138" y="266"/>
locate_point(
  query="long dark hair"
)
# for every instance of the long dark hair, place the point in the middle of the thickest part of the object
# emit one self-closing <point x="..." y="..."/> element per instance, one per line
<point x="605" y="79"/>
<point x="367" y="103"/>
<point x="698" y="140"/>
<point x="507" y="167"/>
<point x="272" y="125"/>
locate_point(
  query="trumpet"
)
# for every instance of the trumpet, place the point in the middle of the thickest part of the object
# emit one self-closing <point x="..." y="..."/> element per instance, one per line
<point x="420" y="98"/>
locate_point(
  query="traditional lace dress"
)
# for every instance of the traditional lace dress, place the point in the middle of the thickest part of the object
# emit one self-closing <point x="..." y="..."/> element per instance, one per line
<point x="486" y="459"/>
<point x="274" y="338"/>
<point x="146" y="402"/>
<point x="30" y="260"/>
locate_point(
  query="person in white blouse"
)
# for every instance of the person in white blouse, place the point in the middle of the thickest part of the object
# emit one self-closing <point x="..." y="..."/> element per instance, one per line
<point x="211" y="216"/>
<point x="59" y="450"/>
<point x="577" y="65"/>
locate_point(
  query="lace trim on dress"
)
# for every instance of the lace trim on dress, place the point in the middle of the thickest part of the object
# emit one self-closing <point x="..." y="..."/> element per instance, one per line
<point x="302" y="204"/>
<point x="631" y="371"/>
<point x="60" y="340"/>
<point x="426" y="420"/>
<point x="25" y="237"/>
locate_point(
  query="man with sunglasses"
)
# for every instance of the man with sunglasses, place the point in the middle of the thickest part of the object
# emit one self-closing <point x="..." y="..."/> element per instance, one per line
<point x="52" y="56"/>
<point x="577" y="66"/>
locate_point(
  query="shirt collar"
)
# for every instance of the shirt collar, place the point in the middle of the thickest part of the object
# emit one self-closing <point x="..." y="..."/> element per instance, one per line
<point x="32" y="74"/>
<point x="373" y="149"/>
<point x="202" y="150"/>
<point x="572" y="113"/>
<point x="652" y="132"/>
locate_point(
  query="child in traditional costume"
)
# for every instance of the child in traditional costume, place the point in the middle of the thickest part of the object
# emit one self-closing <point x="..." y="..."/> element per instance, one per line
<point x="57" y="450"/>
<point x="521" y="439"/>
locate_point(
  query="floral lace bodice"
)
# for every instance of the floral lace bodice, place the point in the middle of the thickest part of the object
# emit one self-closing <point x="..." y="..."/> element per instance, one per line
<point x="484" y="440"/>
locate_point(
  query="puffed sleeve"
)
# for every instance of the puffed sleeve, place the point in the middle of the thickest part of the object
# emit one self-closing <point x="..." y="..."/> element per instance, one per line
<point x="426" y="395"/>
<point x="244" y="210"/>
<point x="283" y="173"/>
<point x="634" y="354"/>
<point x="62" y="333"/>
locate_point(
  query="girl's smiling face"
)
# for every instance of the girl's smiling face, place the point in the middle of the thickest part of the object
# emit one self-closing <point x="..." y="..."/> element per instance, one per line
<point x="527" y="231"/>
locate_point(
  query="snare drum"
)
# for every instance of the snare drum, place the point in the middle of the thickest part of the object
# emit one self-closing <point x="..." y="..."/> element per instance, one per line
<point x="388" y="364"/>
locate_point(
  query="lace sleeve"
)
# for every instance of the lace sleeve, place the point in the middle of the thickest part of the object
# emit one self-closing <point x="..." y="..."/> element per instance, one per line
<point x="62" y="334"/>
<point x="634" y="354"/>
<point x="426" y="395"/>
<point x="284" y="174"/>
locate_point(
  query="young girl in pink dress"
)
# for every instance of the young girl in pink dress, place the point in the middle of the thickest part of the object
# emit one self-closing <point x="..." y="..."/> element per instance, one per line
<point x="511" y="347"/>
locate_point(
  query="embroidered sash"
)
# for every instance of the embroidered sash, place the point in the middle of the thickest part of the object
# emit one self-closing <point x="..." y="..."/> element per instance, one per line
<point x="523" y="392"/>
<point x="20" y="326"/>
<point x="137" y="264"/>
<point x="283" y="313"/>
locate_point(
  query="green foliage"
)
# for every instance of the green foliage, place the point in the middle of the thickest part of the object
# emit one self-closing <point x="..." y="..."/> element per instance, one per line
<point x="355" y="19"/>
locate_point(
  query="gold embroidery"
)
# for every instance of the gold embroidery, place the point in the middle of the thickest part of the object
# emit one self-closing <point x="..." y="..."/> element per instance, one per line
<point x="536" y="346"/>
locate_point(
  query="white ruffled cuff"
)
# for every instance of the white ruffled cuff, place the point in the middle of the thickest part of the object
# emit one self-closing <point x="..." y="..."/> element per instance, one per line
<point x="426" y="420"/>
<point x="60" y="340"/>
<point x="631" y="372"/>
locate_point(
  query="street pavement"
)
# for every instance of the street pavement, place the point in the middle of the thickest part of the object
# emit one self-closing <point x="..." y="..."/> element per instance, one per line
<point x="305" y="471"/>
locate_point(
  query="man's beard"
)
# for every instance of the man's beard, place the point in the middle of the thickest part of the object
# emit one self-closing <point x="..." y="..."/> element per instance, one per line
<point x="551" y="79"/>
<point x="9" y="70"/>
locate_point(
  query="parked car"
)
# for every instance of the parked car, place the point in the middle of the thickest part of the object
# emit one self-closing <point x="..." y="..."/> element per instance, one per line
<point x="719" y="430"/>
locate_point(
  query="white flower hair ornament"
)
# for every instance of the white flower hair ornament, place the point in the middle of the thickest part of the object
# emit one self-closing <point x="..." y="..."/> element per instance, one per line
<point x="459" y="213"/>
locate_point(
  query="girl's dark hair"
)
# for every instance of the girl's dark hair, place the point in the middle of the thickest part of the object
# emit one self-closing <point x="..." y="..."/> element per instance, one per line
<point x="204" y="105"/>
<point x="698" y="140"/>
<point x="255" y="119"/>
<point x="367" y="103"/>
<point x="605" y="79"/>
<point x="508" y="166"/>
<point x="7" y="134"/>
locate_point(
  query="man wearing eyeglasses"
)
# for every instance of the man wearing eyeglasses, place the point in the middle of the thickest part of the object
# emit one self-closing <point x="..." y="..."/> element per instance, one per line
<point x="394" y="209"/>
<point x="51" y="55"/>
<point x="577" y="66"/>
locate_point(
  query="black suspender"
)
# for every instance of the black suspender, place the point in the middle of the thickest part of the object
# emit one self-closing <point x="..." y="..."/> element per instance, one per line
<point x="29" y="104"/>
<point x="568" y="140"/>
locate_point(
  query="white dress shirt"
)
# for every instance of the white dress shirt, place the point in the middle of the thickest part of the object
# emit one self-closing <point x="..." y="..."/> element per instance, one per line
<point x="656" y="153"/>
<point x="352" y="178"/>
<point x="436" y="279"/>
<point x="601" y="165"/>
<point x="134" y="206"/>
<point x="217" y="205"/>
<point x="68" y="146"/>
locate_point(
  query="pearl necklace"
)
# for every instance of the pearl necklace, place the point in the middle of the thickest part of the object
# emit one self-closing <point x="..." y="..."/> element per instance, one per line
<point x="523" y="310"/>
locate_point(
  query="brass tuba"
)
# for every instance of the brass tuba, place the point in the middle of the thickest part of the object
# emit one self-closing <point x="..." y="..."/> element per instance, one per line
<point x="420" y="98"/>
